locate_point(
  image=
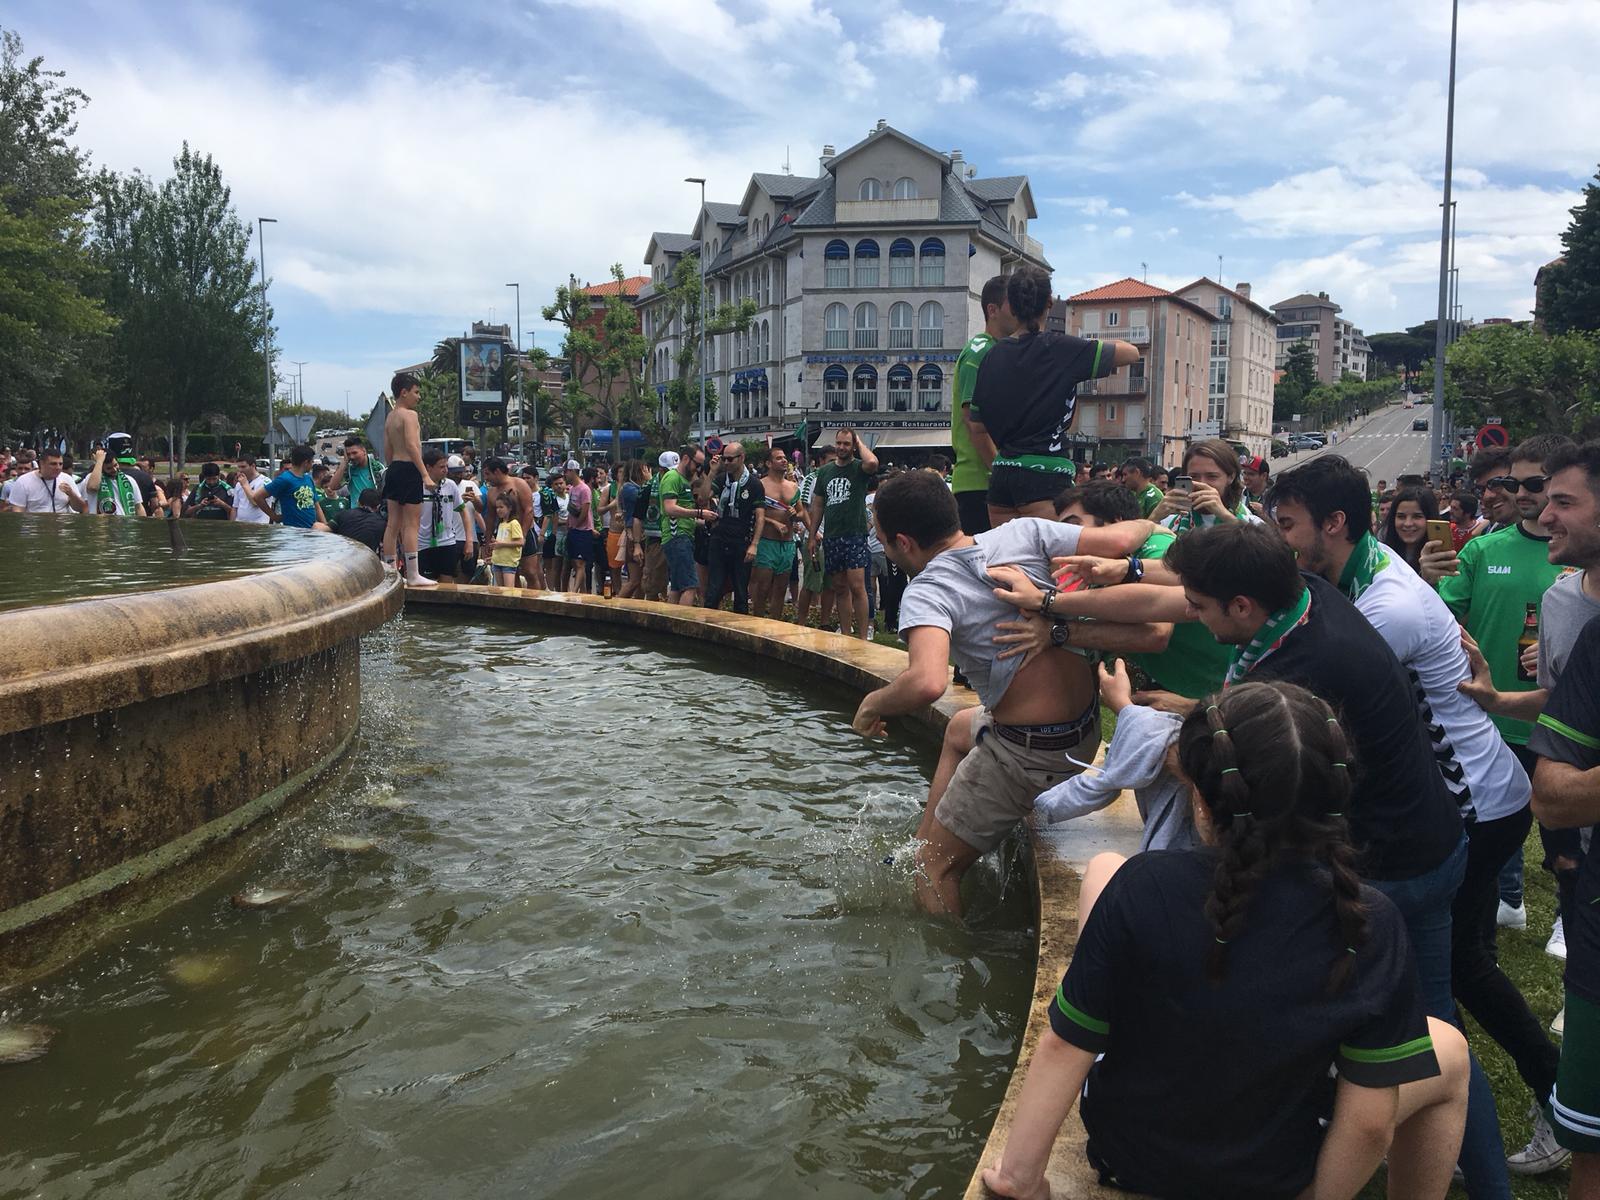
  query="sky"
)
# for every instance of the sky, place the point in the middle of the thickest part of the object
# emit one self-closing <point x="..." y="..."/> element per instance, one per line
<point x="418" y="155"/>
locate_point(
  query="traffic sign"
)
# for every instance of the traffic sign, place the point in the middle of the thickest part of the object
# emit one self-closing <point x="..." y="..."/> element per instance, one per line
<point x="1493" y="436"/>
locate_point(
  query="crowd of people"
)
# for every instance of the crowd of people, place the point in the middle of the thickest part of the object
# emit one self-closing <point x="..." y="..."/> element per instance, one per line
<point x="1340" y="708"/>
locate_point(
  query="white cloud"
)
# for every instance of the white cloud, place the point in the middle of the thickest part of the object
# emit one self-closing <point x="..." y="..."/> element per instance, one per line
<point x="954" y="89"/>
<point x="1064" y="91"/>
<point x="1089" y="206"/>
<point x="1122" y="232"/>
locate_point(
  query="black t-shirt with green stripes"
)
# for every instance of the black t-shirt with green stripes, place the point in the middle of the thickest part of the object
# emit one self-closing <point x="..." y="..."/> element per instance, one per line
<point x="1027" y="390"/>
<point x="1569" y="732"/>
<point x="1218" y="1089"/>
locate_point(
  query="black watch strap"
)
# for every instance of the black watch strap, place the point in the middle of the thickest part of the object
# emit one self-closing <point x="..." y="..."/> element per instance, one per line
<point x="1135" y="570"/>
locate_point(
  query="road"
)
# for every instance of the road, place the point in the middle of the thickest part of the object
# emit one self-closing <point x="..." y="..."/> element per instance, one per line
<point x="1384" y="446"/>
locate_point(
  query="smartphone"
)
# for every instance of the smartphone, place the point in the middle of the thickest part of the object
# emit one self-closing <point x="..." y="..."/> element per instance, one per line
<point x="1441" y="532"/>
<point x="1182" y="483"/>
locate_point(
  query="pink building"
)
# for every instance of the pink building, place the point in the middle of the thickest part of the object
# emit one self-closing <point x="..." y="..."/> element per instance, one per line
<point x="1158" y="404"/>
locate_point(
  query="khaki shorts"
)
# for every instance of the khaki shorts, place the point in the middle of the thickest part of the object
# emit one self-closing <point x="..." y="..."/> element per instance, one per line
<point x="996" y="784"/>
<point x="655" y="570"/>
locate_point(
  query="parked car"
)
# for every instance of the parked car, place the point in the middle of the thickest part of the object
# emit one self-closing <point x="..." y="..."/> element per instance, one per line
<point x="1303" y="441"/>
<point x="1420" y="425"/>
<point x="1280" y="448"/>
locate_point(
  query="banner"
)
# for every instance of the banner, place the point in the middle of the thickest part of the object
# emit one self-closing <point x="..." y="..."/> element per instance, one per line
<point x="481" y="368"/>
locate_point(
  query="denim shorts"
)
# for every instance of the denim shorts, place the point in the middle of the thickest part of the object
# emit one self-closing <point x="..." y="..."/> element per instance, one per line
<point x="681" y="575"/>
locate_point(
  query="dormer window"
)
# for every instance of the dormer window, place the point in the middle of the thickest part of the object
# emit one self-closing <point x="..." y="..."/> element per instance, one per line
<point x="905" y="188"/>
<point x="871" y="189"/>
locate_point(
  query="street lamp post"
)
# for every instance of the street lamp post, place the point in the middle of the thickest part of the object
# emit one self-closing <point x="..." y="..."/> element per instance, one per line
<point x="522" y="410"/>
<point x="702" y="223"/>
<point x="300" y="376"/>
<point x="266" y="324"/>
<point x="1445" y="238"/>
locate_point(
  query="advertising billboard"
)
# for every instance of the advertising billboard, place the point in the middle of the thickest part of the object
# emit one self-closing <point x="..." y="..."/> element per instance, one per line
<point x="481" y="368"/>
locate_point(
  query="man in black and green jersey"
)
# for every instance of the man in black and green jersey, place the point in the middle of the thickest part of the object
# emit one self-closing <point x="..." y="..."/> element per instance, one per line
<point x="1136" y="474"/>
<point x="839" y="499"/>
<point x="975" y="451"/>
<point x="679" y="517"/>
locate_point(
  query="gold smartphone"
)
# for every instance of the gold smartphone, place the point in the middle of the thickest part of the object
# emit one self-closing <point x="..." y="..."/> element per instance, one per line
<point x="1441" y="532"/>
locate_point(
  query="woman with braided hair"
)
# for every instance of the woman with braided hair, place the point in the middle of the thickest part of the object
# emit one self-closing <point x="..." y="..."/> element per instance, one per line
<point x="1244" y="1020"/>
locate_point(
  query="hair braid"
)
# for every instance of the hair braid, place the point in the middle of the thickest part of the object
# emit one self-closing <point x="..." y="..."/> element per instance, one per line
<point x="1244" y="860"/>
<point x="1349" y="909"/>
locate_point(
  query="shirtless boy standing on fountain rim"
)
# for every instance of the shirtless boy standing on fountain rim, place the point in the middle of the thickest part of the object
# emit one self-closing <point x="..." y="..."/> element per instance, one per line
<point x="402" y="482"/>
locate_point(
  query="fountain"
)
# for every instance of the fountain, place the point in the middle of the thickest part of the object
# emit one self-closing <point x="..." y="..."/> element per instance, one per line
<point x="162" y="698"/>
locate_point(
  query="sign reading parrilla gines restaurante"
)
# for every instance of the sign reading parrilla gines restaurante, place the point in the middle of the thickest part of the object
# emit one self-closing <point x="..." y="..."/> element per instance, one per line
<point x="881" y="358"/>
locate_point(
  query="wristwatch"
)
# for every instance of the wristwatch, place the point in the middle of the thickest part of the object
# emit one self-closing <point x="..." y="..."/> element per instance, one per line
<point x="1061" y="633"/>
<point x="1135" y="570"/>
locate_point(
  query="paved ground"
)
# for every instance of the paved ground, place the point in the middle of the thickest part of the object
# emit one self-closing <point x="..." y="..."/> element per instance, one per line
<point x="1384" y="445"/>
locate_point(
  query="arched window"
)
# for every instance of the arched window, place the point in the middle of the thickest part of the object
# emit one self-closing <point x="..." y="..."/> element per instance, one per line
<point x="902" y="262"/>
<point x="1013" y="224"/>
<point x="866" y="388"/>
<point x="866" y="263"/>
<point x="930" y="388"/>
<point x="837" y="320"/>
<point x="766" y="342"/>
<point x="900" y="388"/>
<point x="900" y="327"/>
<point x="835" y="382"/>
<point x="905" y="188"/>
<point x="867" y="327"/>
<point x="763" y="398"/>
<point x="741" y="399"/>
<point x="930" y="326"/>
<point x="836" y="264"/>
<point x="766" y="285"/>
<point x="870" y="189"/>
<point x="932" y="262"/>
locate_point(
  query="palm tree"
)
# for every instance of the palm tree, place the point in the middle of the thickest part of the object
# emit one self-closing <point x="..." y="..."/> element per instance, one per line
<point x="446" y="355"/>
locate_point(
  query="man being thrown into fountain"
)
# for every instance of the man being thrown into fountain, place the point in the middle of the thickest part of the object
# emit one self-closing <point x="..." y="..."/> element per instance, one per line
<point x="402" y="481"/>
<point x="1037" y="710"/>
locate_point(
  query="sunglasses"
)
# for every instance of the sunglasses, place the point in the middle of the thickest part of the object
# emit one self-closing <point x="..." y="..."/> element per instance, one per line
<point x="1533" y="484"/>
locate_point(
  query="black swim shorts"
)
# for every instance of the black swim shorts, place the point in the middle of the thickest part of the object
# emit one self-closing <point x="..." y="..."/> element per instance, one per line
<point x="402" y="483"/>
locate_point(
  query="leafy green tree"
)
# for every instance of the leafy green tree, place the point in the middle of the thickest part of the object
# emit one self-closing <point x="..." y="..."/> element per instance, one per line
<point x="605" y="354"/>
<point x="436" y="410"/>
<point x="678" y="298"/>
<point x="1406" y="351"/>
<point x="184" y="287"/>
<point x="52" y="323"/>
<point x="1535" y="381"/>
<point x="1569" y="292"/>
<point x="1299" y="377"/>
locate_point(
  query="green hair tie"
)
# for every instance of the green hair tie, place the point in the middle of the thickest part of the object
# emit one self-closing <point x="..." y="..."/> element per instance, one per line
<point x="1332" y="721"/>
<point x="1340" y="764"/>
<point x="1230" y="770"/>
<point x="1221" y="941"/>
<point x="1352" y="949"/>
<point x="1333" y="814"/>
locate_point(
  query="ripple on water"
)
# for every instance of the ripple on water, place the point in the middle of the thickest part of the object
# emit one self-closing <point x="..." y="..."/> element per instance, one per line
<point x="633" y="925"/>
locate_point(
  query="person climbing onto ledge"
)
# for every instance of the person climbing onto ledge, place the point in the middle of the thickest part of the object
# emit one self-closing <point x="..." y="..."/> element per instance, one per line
<point x="1213" y="993"/>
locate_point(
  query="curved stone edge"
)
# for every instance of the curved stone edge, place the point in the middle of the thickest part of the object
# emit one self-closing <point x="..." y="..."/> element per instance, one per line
<point x="103" y="653"/>
<point x="1058" y="852"/>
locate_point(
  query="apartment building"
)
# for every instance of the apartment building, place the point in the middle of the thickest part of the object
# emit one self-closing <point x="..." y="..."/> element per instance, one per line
<point x="1158" y="404"/>
<point x="866" y="280"/>
<point x="1337" y="345"/>
<point x="1244" y="347"/>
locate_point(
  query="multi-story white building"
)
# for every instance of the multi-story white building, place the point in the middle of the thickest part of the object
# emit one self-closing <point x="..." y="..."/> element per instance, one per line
<point x="866" y="281"/>
<point x="1337" y="345"/>
<point x="1244" y="347"/>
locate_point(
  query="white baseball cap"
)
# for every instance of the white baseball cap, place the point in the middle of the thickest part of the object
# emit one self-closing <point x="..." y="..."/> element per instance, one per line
<point x="573" y="465"/>
<point x="669" y="460"/>
<point x="455" y="463"/>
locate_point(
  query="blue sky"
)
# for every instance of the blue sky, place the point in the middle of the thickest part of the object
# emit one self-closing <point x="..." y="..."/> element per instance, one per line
<point x="418" y="155"/>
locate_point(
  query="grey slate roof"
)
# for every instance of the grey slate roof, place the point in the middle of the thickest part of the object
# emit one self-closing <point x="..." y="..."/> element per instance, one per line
<point x="723" y="214"/>
<point x="674" y="243"/>
<point x="783" y="187"/>
<point x="1307" y="300"/>
<point x="998" y="189"/>
<point x="890" y="131"/>
<point x="821" y="211"/>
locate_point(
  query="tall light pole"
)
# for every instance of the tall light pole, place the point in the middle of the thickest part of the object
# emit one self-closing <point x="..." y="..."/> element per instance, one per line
<point x="300" y="376"/>
<point x="522" y="411"/>
<point x="702" y="223"/>
<point x="266" y="324"/>
<point x="1439" y="343"/>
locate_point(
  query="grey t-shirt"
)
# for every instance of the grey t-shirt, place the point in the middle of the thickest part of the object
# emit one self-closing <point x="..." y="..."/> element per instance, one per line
<point x="1563" y="613"/>
<point x="954" y="593"/>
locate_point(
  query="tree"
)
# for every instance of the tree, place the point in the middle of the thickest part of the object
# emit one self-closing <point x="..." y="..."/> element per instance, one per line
<point x="436" y="410"/>
<point x="1534" y="381"/>
<point x="184" y="287"/>
<point x="605" y="355"/>
<point x="1406" y="351"/>
<point x="52" y="323"/>
<point x="677" y="300"/>
<point x="1299" y="377"/>
<point x="1569" y="291"/>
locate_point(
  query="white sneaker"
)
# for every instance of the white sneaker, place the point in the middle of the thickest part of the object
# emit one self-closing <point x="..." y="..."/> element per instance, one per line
<point x="1541" y="1154"/>
<point x="1508" y="917"/>
<point x="1559" y="1025"/>
<point x="1557" y="945"/>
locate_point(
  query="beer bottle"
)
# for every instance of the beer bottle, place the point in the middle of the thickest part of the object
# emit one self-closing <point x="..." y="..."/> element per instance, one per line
<point x="1530" y="635"/>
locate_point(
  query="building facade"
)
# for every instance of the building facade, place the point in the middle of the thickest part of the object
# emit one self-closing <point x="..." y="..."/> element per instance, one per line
<point x="1241" y="371"/>
<point x="865" y="281"/>
<point x="1157" y="405"/>
<point x="1337" y="345"/>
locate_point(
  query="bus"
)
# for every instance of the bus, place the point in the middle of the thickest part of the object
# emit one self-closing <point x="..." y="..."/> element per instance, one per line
<point x="448" y="445"/>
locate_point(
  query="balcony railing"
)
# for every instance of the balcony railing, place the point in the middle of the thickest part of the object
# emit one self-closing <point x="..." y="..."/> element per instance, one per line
<point x="1139" y="335"/>
<point x="870" y="211"/>
<point x="1033" y="246"/>
<point x="1113" y="387"/>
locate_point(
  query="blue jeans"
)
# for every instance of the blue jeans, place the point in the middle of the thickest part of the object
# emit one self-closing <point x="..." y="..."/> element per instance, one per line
<point x="1424" y="903"/>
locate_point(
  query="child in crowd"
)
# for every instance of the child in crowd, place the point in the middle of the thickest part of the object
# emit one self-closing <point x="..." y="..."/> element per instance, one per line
<point x="507" y="542"/>
<point x="1212" y="990"/>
